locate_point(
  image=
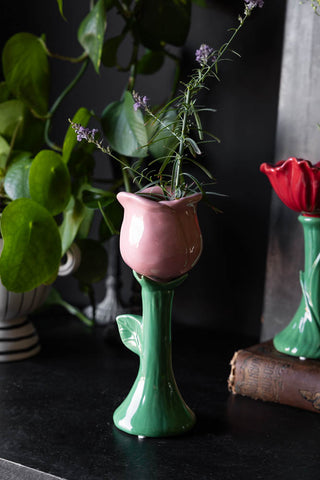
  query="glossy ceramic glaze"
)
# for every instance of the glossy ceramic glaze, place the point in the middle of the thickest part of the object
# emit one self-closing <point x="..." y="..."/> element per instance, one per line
<point x="297" y="184"/>
<point x="154" y="406"/>
<point x="160" y="239"/>
<point x="301" y="338"/>
<point x="18" y="337"/>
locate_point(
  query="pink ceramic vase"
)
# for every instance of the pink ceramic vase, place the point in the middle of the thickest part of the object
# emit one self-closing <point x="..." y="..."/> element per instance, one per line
<point x="160" y="239"/>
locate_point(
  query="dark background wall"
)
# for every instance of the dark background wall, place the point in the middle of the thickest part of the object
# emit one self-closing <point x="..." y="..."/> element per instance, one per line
<point x="225" y="289"/>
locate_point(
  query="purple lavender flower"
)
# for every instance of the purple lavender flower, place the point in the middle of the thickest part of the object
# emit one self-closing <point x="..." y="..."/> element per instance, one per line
<point x="140" y="102"/>
<point x="84" y="133"/>
<point x="254" y="3"/>
<point x="203" y="54"/>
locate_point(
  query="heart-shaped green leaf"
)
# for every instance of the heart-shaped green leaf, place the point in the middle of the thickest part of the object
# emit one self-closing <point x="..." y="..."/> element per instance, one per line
<point x="110" y="50"/>
<point x="4" y="153"/>
<point x="12" y="114"/>
<point x="16" y="122"/>
<point x="32" y="248"/>
<point x="163" y="21"/>
<point x="4" y="92"/>
<point x="16" y="183"/>
<point x="26" y="71"/>
<point x="82" y="117"/>
<point x="160" y="137"/>
<point x="150" y="63"/>
<point x="91" y="32"/>
<point x="124" y="128"/>
<point x="49" y="181"/>
<point x="72" y="219"/>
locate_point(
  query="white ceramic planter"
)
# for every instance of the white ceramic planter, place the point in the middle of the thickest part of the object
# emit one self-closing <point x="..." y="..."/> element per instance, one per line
<point x="18" y="337"/>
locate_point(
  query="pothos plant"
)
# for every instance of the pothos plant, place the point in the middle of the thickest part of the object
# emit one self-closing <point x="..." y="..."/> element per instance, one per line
<point x="47" y="196"/>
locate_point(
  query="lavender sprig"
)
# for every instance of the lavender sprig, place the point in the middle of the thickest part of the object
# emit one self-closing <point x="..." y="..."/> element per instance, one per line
<point x="251" y="4"/>
<point x="141" y="102"/>
<point x="204" y="54"/>
<point x="84" y="133"/>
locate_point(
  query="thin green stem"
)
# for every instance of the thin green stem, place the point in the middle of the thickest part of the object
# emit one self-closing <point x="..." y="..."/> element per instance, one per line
<point x="58" y="102"/>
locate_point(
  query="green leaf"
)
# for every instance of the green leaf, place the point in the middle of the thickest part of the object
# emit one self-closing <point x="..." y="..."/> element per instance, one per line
<point x="124" y="128"/>
<point x="130" y="329"/>
<point x="160" y="139"/>
<point x="114" y="215"/>
<point x="32" y="249"/>
<point x="49" y="181"/>
<point x="17" y="123"/>
<point x="26" y="71"/>
<point x="110" y="50"/>
<point x="4" y="92"/>
<point x="163" y="21"/>
<point x="94" y="262"/>
<point x="82" y="117"/>
<point x="86" y="223"/>
<point x="11" y="117"/>
<point x="4" y="153"/>
<point x="95" y="197"/>
<point x="82" y="163"/>
<point x="193" y="146"/>
<point x="60" y="5"/>
<point x="150" y="63"/>
<point x="16" y="183"/>
<point x="91" y="33"/>
<point x="72" y="219"/>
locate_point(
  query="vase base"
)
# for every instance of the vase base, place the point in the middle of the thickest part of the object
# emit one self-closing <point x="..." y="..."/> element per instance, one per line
<point x="154" y="429"/>
<point x="18" y="340"/>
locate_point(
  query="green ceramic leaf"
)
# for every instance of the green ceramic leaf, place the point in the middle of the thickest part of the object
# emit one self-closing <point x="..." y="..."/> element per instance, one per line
<point x="16" y="183"/>
<point x="32" y="248"/>
<point x="163" y="21"/>
<point x="94" y="262"/>
<point x="49" y="181"/>
<point x="26" y="71"/>
<point x="130" y="329"/>
<point x="70" y="140"/>
<point x="150" y="63"/>
<point x="110" y="50"/>
<point x="124" y="128"/>
<point x="91" y="33"/>
<point x="72" y="219"/>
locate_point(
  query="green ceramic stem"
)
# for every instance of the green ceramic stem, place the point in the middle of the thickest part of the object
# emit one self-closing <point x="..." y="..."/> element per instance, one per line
<point x="301" y="338"/>
<point x="154" y="406"/>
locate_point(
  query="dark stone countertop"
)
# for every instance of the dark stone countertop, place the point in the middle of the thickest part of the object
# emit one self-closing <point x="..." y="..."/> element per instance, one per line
<point x="56" y="414"/>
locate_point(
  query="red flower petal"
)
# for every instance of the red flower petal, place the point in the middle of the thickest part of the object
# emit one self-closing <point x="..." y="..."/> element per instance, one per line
<point x="297" y="184"/>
